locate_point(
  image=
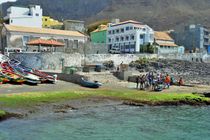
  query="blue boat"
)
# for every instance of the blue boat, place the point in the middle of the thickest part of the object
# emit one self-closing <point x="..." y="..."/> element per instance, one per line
<point x="90" y="84"/>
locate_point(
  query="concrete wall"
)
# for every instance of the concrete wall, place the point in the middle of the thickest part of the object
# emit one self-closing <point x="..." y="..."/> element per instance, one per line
<point x="73" y="78"/>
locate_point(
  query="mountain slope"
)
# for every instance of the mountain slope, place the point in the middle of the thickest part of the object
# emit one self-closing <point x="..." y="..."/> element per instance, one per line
<point x="160" y="14"/>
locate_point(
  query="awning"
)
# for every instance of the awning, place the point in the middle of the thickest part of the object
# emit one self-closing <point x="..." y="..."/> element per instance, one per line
<point x="167" y="44"/>
<point x="43" y="42"/>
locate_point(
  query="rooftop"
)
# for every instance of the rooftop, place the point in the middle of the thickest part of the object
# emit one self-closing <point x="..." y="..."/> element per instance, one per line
<point x="126" y="22"/>
<point x="42" y="31"/>
<point x="101" y="28"/>
<point x="163" y="36"/>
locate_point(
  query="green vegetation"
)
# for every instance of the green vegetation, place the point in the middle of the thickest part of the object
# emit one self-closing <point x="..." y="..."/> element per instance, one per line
<point x="2" y="113"/>
<point x="29" y="100"/>
<point x="148" y="48"/>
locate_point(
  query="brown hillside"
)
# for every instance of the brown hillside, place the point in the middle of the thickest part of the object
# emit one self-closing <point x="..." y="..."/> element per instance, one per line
<point x="160" y="14"/>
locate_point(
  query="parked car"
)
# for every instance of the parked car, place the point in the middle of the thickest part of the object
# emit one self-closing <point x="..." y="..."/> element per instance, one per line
<point x="115" y="51"/>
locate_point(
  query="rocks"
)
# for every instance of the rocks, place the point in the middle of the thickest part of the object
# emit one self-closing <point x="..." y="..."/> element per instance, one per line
<point x="192" y="72"/>
<point x="62" y="108"/>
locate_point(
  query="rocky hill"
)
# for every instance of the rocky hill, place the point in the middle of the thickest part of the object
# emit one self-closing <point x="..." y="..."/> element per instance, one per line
<point x="160" y="14"/>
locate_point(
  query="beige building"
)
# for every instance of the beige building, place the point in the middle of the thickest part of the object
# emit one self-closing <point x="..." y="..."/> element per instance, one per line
<point x="165" y="43"/>
<point x="18" y="37"/>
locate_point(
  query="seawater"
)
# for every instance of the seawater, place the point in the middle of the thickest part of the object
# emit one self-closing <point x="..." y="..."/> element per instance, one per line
<point x="113" y="123"/>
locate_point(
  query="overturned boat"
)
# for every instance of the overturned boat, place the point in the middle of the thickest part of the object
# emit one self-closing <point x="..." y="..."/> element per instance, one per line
<point x="90" y="84"/>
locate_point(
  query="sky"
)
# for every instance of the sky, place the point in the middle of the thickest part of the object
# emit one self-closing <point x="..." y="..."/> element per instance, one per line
<point x="2" y="1"/>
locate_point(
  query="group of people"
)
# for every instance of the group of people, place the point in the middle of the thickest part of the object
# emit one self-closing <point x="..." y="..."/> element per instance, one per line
<point x="157" y="82"/>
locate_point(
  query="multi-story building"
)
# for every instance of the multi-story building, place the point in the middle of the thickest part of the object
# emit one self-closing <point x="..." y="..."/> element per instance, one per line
<point x="21" y="16"/>
<point x="99" y="35"/>
<point x="128" y="36"/>
<point x="74" y="25"/>
<point x="48" y="22"/>
<point x="194" y="37"/>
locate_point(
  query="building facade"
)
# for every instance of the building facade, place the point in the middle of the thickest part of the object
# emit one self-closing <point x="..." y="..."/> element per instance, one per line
<point x="165" y="44"/>
<point x="193" y="38"/>
<point x="74" y="25"/>
<point x="48" y="22"/>
<point x="128" y="36"/>
<point x="28" y="17"/>
<point x="18" y="37"/>
<point x="99" y="35"/>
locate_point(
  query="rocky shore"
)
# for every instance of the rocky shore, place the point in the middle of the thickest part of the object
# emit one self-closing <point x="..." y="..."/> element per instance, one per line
<point x="192" y="72"/>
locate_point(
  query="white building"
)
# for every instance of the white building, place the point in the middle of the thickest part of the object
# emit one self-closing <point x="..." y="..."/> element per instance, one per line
<point x="28" y="17"/>
<point x="128" y="36"/>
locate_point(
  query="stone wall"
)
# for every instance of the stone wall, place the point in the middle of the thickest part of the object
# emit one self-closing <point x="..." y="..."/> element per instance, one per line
<point x="48" y="61"/>
<point x="54" y="61"/>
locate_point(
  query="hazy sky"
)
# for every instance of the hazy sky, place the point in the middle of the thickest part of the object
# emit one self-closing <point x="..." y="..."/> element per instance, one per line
<point x="2" y="1"/>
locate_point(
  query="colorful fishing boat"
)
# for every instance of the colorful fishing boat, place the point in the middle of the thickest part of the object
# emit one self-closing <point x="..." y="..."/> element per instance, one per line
<point x="4" y="79"/>
<point x="12" y="77"/>
<point x="43" y="77"/>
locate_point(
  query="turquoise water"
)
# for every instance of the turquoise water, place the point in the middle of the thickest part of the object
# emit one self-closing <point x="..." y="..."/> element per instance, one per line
<point x="114" y="123"/>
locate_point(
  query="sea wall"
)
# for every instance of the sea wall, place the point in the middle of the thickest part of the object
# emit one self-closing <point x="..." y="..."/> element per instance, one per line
<point x="54" y="61"/>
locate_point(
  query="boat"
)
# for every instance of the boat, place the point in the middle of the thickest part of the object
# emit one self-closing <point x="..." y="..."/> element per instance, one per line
<point x="43" y="77"/>
<point x="4" y="79"/>
<point x="19" y="75"/>
<point x="90" y="84"/>
<point x="12" y="77"/>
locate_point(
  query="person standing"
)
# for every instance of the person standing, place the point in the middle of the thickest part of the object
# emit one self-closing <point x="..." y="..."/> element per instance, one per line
<point x="167" y="81"/>
<point x="137" y="81"/>
<point x="142" y="82"/>
<point x="181" y="82"/>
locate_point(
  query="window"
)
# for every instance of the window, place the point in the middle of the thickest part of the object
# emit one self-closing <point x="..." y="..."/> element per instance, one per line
<point x="110" y="40"/>
<point x="132" y="37"/>
<point x="117" y="39"/>
<point x="45" y="19"/>
<point x="122" y="30"/>
<point x="127" y="28"/>
<point x="11" y="21"/>
<point x="131" y="28"/>
<point x="76" y="44"/>
<point x="122" y="38"/>
<point x="117" y="31"/>
<point x="141" y="36"/>
<point x="110" y="32"/>
<point x="127" y="38"/>
<point x="113" y="31"/>
<point x="67" y="42"/>
<point x="37" y="14"/>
